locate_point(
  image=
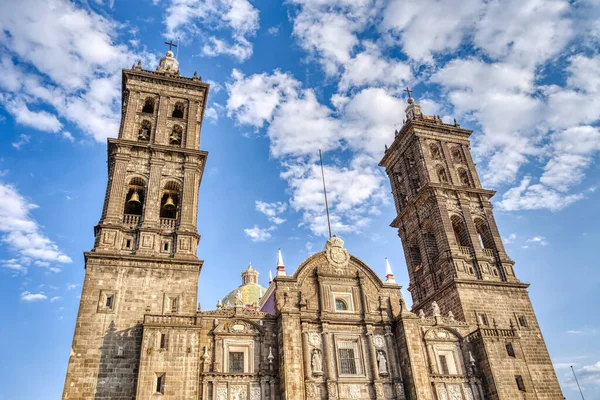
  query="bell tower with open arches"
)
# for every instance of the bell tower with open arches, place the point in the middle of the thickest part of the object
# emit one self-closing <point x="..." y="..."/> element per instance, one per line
<point x="144" y="256"/>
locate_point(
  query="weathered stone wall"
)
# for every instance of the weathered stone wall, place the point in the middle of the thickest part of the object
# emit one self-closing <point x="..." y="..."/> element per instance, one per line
<point x="106" y="345"/>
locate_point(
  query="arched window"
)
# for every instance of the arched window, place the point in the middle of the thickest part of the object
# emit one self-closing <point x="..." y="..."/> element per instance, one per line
<point x="134" y="201"/>
<point x="435" y="152"/>
<point x="460" y="231"/>
<point x="169" y="203"/>
<point x="441" y="173"/>
<point x="178" y="110"/>
<point x="176" y="134"/>
<point x="485" y="235"/>
<point x="430" y="246"/>
<point x="145" y="130"/>
<point x="148" y="106"/>
<point x="340" y="305"/>
<point x="464" y="177"/>
<point x="415" y="256"/>
<point x="456" y="154"/>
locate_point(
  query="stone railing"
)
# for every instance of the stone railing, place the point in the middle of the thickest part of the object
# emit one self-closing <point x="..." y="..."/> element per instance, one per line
<point x="180" y="320"/>
<point x="167" y="224"/>
<point x="493" y="333"/>
<point x="131" y="220"/>
<point x="464" y="250"/>
<point x="488" y="252"/>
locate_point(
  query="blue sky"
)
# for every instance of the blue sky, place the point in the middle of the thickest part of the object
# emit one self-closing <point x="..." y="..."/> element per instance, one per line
<point x="289" y="79"/>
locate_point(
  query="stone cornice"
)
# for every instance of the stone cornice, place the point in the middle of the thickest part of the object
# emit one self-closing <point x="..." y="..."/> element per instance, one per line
<point x="146" y="261"/>
<point x="172" y="80"/>
<point x="201" y="154"/>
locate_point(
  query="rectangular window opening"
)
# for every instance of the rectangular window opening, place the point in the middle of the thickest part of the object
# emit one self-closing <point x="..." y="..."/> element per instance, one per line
<point x="128" y="243"/>
<point x="174" y="304"/>
<point x="163" y="340"/>
<point x="110" y="301"/>
<point x="166" y="246"/>
<point x="348" y="362"/>
<point x="523" y="321"/>
<point x="520" y="383"/>
<point x="160" y="383"/>
<point x="443" y="365"/>
<point x="483" y="319"/>
<point x="236" y="362"/>
<point x="510" y="350"/>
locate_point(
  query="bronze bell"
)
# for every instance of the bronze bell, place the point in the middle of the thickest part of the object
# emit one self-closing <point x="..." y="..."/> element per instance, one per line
<point x="174" y="139"/>
<point x="134" y="200"/>
<point x="169" y="204"/>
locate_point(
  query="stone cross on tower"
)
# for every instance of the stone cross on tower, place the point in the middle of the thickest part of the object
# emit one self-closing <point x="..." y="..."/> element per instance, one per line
<point x="170" y="43"/>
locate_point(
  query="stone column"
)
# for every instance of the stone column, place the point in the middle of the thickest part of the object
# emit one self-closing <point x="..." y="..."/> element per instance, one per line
<point x="160" y="132"/>
<point x="188" y="196"/>
<point x="373" y="355"/>
<point x="153" y="192"/>
<point x="272" y="389"/>
<point x="192" y="141"/>
<point x="116" y="190"/>
<point x="262" y="389"/>
<point x="306" y="352"/>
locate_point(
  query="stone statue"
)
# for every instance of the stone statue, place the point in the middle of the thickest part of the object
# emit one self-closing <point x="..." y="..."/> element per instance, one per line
<point x="436" y="309"/>
<point x="238" y="298"/>
<point x="421" y="314"/>
<point x="382" y="362"/>
<point x="317" y="362"/>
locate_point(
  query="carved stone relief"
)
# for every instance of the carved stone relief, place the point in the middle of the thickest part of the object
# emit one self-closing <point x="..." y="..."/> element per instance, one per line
<point x="354" y="391"/>
<point x="239" y="392"/>
<point x="221" y="393"/>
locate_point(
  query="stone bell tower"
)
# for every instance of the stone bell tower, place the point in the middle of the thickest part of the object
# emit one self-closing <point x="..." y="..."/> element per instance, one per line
<point x="455" y="255"/>
<point x="144" y="256"/>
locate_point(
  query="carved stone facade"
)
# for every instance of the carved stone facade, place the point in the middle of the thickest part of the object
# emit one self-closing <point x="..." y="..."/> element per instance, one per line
<point x="331" y="330"/>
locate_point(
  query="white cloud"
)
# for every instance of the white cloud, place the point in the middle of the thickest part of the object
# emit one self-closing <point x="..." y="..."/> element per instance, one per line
<point x="510" y="238"/>
<point x="71" y="286"/>
<point x="430" y="26"/>
<point x="55" y="298"/>
<point x="23" y="140"/>
<point x="22" y="233"/>
<point x="14" y="265"/>
<point x="257" y="234"/>
<point x="189" y="18"/>
<point x="62" y="62"/>
<point x="538" y="240"/>
<point x="272" y="210"/>
<point x="529" y="196"/>
<point x="370" y="68"/>
<point x="31" y="297"/>
<point x="298" y="126"/>
<point x="41" y="120"/>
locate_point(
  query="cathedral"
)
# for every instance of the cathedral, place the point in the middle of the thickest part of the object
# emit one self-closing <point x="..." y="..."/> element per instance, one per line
<point x="331" y="328"/>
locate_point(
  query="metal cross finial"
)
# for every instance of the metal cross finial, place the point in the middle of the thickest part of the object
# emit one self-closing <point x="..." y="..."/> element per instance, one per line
<point x="171" y="44"/>
<point x="407" y="90"/>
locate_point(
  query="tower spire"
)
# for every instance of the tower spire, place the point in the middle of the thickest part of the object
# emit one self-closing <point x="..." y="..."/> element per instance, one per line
<point x="280" y="264"/>
<point x="325" y="193"/>
<point x="389" y="275"/>
<point x="270" y="277"/>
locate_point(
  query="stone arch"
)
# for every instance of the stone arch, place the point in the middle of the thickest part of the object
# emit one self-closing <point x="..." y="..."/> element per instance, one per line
<point x="441" y="174"/>
<point x="461" y="234"/>
<point x="148" y="107"/>
<point x="135" y="196"/>
<point x="169" y="201"/>
<point x="463" y="176"/>
<point x="178" y="110"/>
<point x="435" y="152"/>
<point x="456" y="153"/>
<point x="145" y="130"/>
<point x="485" y="235"/>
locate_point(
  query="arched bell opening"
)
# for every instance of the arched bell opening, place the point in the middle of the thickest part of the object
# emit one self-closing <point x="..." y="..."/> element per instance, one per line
<point x="169" y="204"/>
<point x="176" y="135"/>
<point x="145" y="131"/>
<point x="178" y="110"/>
<point x="148" y="107"/>
<point x="134" y="202"/>
<point x="461" y="234"/>
<point x="486" y="240"/>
